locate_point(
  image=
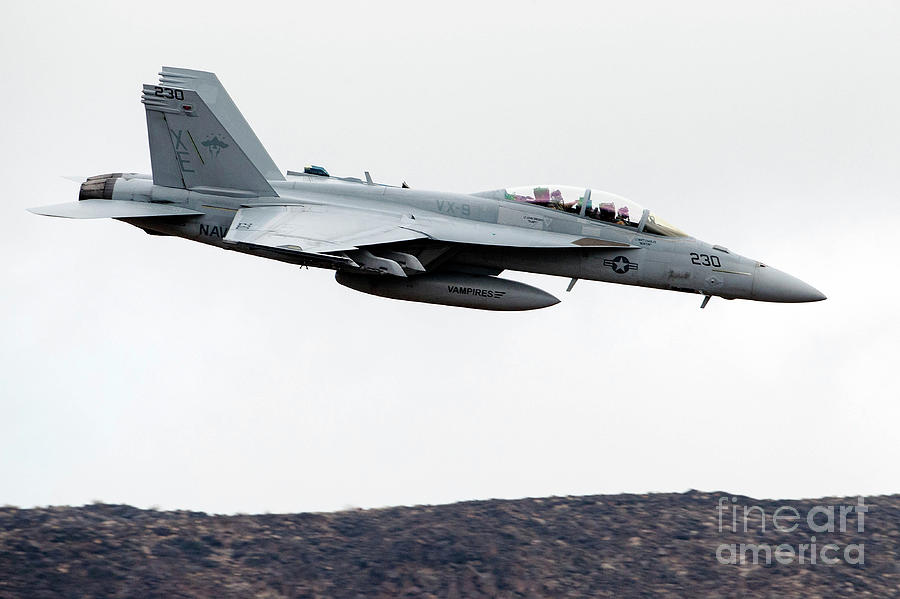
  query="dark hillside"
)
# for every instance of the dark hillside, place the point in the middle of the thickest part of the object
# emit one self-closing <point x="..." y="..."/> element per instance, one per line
<point x="597" y="546"/>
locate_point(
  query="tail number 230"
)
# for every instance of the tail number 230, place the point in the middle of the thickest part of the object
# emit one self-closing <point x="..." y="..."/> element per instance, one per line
<point x="168" y="92"/>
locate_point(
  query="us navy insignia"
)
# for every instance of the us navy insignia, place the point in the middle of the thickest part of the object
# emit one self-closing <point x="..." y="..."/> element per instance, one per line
<point x="214" y="145"/>
<point x="620" y="264"/>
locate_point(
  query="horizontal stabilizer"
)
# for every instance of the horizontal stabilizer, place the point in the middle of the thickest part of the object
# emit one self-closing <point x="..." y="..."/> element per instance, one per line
<point x="111" y="209"/>
<point x="316" y="229"/>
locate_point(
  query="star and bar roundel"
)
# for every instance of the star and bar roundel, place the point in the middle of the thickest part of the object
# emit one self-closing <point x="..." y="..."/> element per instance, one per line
<point x="620" y="264"/>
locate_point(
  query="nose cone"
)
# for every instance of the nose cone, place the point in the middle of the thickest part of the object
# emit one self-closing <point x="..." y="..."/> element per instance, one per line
<point x="772" y="285"/>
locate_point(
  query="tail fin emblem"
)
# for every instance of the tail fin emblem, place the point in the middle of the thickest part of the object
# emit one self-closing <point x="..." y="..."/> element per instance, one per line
<point x="214" y="145"/>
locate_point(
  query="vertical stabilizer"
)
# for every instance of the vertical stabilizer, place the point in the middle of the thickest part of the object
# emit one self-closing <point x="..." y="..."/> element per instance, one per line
<point x="191" y="149"/>
<point x="212" y="92"/>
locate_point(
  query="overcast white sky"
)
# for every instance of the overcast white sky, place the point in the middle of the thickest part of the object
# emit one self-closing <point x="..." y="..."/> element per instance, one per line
<point x="155" y="371"/>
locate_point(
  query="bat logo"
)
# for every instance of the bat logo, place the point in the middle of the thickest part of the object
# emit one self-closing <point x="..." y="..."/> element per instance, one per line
<point x="214" y="145"/>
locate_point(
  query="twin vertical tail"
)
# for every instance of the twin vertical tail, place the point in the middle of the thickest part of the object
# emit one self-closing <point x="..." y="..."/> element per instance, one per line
<point x="200" y="141"/>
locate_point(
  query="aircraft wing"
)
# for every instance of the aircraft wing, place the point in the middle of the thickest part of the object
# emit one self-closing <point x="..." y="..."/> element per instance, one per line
<point x="111" y="209"/>
<point x="316" y="229"/>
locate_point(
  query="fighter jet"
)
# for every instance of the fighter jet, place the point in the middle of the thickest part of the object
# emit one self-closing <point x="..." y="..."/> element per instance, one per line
<point x="213" y="182"/>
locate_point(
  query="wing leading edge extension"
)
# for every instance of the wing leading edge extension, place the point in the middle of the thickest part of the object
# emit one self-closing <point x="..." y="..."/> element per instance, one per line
<point x="472" y="232"/>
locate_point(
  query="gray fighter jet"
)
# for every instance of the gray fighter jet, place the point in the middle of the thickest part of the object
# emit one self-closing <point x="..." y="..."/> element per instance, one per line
<point x="213" y="182"/>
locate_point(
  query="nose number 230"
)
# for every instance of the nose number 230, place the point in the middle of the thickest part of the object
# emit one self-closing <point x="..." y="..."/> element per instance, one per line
<point x="705" y="260"/>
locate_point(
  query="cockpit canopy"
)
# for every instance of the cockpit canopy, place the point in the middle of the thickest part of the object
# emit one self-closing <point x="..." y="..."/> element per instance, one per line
<point x="594" y="204"/>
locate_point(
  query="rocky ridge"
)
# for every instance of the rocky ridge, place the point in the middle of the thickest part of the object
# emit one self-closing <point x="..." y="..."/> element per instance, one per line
<point x="669" y="545"/>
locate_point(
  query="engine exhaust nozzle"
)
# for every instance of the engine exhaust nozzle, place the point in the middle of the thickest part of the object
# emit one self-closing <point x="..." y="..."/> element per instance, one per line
<point x="99" y="187"/>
